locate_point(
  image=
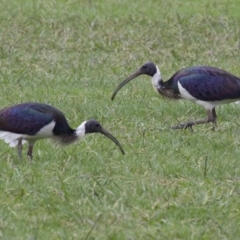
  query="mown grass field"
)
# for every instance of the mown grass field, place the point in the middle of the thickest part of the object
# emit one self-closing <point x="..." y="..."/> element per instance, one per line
<point x="171" y="184"/>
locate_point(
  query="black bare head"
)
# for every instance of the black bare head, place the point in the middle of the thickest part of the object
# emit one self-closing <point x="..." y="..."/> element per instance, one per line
<point x="148" y="68"/>
<point x="93" y="126"/>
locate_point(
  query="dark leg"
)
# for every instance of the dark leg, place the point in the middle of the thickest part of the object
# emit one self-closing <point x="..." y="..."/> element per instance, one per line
<point x="20" y="148"/>
<point x="212" y="117"/>
<point x="30" y="150"/>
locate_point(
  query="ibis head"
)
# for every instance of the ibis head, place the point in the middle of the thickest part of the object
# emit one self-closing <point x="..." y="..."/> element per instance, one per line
<point x="148" y="68"/>
<point x="93" y="126"/>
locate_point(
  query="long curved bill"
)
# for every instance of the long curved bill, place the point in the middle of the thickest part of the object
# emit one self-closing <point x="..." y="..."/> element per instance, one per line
<point x="109" y="135"/>
<point x="132" y="76"/>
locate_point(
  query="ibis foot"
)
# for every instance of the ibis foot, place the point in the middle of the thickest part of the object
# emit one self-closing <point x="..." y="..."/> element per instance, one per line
<point x="212" y="117"/>
<point x="191" y="124"/>
<point x="184" y="126"/>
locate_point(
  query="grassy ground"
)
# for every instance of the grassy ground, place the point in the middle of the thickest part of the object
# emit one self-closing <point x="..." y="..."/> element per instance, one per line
<point x="170" y="184"/>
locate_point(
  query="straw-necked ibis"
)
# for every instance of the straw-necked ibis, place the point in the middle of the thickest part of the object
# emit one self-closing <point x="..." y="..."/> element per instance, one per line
<point x="29" y="122"/>
<point x="204" y="85"/>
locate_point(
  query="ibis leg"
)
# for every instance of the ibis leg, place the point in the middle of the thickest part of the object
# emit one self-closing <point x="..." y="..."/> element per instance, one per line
<point x="212" y="117"/>
<point x="20" y="148"/>
<point x="30" y="150"/>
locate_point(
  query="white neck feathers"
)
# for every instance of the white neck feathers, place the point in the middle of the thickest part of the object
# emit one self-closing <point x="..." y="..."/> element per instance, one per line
<point x="156" y="78"/>
<point x="80" y="131"/>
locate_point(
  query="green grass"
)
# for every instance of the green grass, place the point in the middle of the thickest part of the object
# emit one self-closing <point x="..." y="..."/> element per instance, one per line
<point x="170" y="184"/>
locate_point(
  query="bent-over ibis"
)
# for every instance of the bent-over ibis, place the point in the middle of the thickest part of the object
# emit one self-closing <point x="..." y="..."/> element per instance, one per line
<point x="206" y="86"/>
<point x="28" y="122"/>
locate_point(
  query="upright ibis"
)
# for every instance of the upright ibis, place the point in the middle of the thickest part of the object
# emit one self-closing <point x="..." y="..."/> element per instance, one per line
<point x="29" y="122"/>
<point x="204" y="85"/>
